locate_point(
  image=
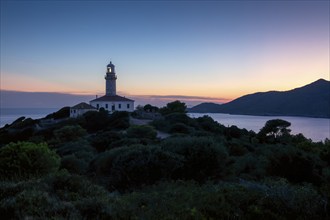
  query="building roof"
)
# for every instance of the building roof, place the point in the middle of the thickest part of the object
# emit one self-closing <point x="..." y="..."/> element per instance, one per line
<point x="110" y="65"/>
<point x="83" y="105"/>
<point x="112" y="98"/>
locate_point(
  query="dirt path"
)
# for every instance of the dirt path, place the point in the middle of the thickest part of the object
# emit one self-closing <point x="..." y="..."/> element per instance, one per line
<point x="135" y="121"/>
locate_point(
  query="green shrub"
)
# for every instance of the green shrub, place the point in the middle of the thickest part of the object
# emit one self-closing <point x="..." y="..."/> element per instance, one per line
<point x="180" y="128"/>
<point x="74" y="165"/>
<point x="244" y="200"/>
<point x="203" y="157"/>
<point x="118" y="120"/>
<point x="101" y="140"/>
<point x="69" y="133"/>
<point x="62" y="113"/>
<point x="173" y="107"/>
<point x="141" y="131"/>
<point x="161" y="124"/>
<point x="26" y="159"/>
<point x="207" y="123"/>
<point x="94" y="121"/>
<point x="81" y="149"/>
<point x="134" y="166"/>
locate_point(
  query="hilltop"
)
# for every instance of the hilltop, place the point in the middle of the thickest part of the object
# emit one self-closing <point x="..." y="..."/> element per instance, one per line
<point x="312" y="100"/>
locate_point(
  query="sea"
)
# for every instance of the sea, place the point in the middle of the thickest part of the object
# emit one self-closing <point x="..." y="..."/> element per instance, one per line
<point x="317" y="129"/>
<point x="9" y="115"/>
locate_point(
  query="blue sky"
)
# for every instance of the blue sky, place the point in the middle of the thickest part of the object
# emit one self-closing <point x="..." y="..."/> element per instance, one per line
<point x="215" y="49"/>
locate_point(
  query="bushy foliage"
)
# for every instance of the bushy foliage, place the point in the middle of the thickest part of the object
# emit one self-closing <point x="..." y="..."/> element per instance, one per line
<point x="26" y="159"/>
<point x="94" y="121"/>
<point x="173" y="107"/>
<point x="57" y="196"/>
<point x="203" y="157"/>
<point x="150" y="108"/>
<point x="246" y="200"/>
<point x="134" y="166"/>
<point x="238" y="174"/>
<point x="207" y="123"/>
<point x="69" y="133"/>
<point x="60" y="114"/>
<point x="80" y="148"/>
<point x="141" y="131"/>
<point x="101" y="141"/>
<point x="274" y="130"/>
<point x="180" y="128"/>
<point x="294" y="165"/>
<point x="118" y="120"/>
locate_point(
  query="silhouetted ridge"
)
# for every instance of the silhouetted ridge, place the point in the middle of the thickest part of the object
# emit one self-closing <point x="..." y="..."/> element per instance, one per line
<point x="312" y="100"/>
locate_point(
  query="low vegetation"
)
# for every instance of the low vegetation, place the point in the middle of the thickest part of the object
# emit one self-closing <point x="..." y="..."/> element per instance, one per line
<point x="99" y="166"/>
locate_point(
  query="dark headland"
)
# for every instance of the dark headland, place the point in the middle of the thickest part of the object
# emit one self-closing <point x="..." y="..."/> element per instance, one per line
<point x="312" y="100"/>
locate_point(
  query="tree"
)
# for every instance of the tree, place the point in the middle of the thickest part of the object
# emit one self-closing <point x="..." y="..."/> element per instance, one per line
<point x="150" y="108"/>
<point x="174" y="107"/>
<point x="274" y="128"/>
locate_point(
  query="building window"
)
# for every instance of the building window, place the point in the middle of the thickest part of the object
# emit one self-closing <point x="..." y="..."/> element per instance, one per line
<point x="74" y="111"/>
<point x="97" y="106"/>
<point x="113" y="107"/>
<point x="127" y="105"/>
<point x="106" y="106"/>
<point x="119" y="106"/>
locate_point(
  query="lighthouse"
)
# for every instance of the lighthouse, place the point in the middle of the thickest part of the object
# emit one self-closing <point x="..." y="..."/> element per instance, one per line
<point x="110" y="80"/>
<point x="111" y="101"/>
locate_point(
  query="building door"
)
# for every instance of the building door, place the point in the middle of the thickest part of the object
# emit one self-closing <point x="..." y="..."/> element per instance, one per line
<point x="113" y="107"/>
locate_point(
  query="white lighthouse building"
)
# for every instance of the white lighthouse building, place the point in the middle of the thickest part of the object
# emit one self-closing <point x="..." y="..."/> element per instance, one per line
<point x="111" y="101"/>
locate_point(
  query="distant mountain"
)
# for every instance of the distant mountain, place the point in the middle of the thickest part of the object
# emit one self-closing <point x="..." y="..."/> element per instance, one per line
<point x="312" y="100"/>
<point x="206" y="107"/>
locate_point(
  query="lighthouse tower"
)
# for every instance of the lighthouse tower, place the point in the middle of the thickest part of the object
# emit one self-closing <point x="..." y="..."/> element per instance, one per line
<point x="111" y="101"/>
<point x="110" y="80"/>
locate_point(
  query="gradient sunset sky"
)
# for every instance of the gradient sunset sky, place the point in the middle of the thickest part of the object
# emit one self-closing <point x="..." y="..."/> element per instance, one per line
<point x="215" y="49"/>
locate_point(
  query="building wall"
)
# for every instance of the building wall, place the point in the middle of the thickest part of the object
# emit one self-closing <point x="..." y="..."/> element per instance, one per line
<point x="118" y="106"/>
<point x="74" y="113"/>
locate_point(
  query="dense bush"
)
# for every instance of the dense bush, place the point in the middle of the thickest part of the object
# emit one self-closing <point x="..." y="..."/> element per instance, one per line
<point x="134" y="166"/>
<point x="173" y="107"/>
<point x="101" y="140"/>
<point x="272" y="175"/>
<point x="203" y="157"/>
<point x="118" y="120"/>
<point x="246" y="200"/>
<point x="180" y="128"/>
<point x="141" y="131"/>
<point x="94" y="121"/>
<point x="69" y="133"/>
<point x="57" y="196"/>
<point x="60" y="114"/>
<point x="207" y="123"/>
<point x="26" y="159"/>
<point x="294" y="165"/>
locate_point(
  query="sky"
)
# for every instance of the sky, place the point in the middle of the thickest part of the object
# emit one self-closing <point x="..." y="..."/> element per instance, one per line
<point x="195" y="50"/>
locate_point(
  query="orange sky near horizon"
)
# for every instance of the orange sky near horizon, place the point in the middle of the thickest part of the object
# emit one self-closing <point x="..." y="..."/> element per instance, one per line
<point x="217" y="50"/>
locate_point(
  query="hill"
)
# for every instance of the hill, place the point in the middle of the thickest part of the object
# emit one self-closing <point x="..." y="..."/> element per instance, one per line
<point x="206" y="107"/>
<point x="312" y="100"/>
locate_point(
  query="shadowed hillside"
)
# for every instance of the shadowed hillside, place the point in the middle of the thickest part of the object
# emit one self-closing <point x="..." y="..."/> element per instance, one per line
<point x="312" y="100"/>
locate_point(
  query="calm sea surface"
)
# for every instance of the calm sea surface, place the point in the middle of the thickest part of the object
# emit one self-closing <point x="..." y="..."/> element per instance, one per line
<point x="315" y="128"/>
<point x="8" y="115"/>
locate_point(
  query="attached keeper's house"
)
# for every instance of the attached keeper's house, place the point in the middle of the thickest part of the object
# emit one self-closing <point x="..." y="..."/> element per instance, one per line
<point x="111" y="101"/>
<point x="80" y="109"/>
